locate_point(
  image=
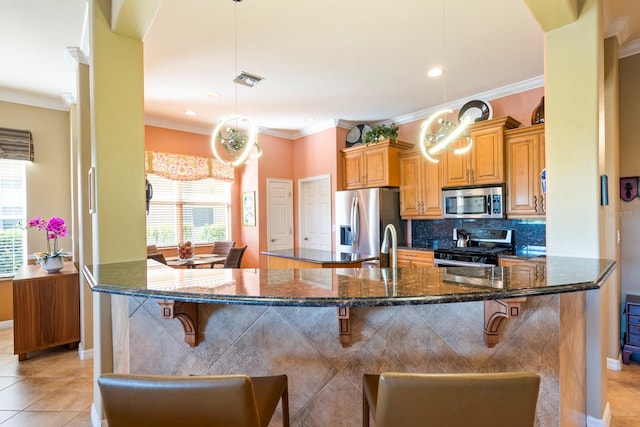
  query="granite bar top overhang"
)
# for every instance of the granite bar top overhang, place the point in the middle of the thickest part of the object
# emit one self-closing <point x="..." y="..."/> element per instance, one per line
<point x="348" y="287"/>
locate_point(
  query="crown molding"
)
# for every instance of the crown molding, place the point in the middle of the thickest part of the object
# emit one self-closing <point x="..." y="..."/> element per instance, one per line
<point x="511" y="89"/>
<point x="618" y="28"/>
<point x="184" y="127"/>
<point x="629" y="49"/>
<point x="76" y="55"/>
<point x="34" y="100"/>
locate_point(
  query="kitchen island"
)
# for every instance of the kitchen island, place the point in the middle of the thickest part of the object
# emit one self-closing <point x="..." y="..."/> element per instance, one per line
<point x="262" y="322"/>
<point x="314" y="258"/>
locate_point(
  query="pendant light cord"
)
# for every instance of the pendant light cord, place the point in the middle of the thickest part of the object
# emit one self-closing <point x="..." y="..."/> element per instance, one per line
<point x="235" y="46"/>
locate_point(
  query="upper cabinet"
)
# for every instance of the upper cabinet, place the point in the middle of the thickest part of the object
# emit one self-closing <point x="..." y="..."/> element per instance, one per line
<point x="420" y="187"/>
<point x="484" y="163"/>
<point x="525" y="162"/>
<point x="373" y="165"/>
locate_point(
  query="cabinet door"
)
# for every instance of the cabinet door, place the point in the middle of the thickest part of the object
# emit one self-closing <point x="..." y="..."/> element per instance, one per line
<point x="431" y="189"/>
<point x="525" y="161"/>
<point x="376" y="166"/>
<point x="353" y="170"/>
<point x="456" y="166"/>
<point x="521" y="177"/>
<point x="46" y="312"/>
<point x="410" y="198"/>
<point x="487" y="161"/>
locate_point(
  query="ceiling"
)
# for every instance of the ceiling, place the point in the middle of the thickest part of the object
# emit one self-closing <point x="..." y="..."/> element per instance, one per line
<point x="357" y="61"/>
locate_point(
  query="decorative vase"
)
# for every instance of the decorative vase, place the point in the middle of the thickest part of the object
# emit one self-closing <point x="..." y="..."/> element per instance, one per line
<point x="537" y="116"/>
<point x="53" y="264"/>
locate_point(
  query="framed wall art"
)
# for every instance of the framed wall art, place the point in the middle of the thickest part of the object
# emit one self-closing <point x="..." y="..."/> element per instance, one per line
<point x="249" y="209"/>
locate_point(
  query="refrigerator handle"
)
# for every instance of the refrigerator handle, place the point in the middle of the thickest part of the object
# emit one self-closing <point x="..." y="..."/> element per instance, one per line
<point x="355" y="223"/>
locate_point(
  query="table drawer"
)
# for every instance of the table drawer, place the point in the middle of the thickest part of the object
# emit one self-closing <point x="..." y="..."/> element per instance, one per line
<point x="634" y="309"/>
<point x="634" y="319"/>
<point x="634" y="329"/>
<point x="633" y="339"/>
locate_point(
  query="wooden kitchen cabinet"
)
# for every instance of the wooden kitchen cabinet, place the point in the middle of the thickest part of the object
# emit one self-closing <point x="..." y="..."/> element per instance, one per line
<point x="483" y="164"/>
<point x="46" y="309"/>
<point x="525" y="162"/>
<point x="411" y="258"/>
<point x="420" y="187"/>
<point x="373" y="165"/>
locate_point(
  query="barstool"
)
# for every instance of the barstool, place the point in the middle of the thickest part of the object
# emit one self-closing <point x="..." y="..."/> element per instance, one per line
<point x="450" y="400"/>
<point x="194" y="401"/>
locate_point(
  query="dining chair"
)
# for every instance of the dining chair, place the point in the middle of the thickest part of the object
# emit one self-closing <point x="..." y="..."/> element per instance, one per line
<point x="195" y="401"/>
<point x="506" y="399"/>
<point x="234" y="258"/>
<point x="221" y="248"/>
<point x="158" y="256"/>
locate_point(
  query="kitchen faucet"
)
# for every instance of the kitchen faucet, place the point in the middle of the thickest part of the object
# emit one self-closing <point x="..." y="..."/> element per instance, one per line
<point x="390" y="230"/>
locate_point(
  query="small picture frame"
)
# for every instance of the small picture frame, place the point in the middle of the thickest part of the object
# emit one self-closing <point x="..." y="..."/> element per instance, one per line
<point x="249" y="208"/>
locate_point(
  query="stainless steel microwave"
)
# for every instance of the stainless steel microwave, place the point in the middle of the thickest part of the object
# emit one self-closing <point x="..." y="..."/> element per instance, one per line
<point x="473" y="202"/>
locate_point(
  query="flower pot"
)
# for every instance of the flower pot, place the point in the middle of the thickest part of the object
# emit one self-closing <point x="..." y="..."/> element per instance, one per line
<point x="53" y="264"/>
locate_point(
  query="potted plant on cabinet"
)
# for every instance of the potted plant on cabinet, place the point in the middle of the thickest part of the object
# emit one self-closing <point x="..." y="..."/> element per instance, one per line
<point x="380" y="133"/>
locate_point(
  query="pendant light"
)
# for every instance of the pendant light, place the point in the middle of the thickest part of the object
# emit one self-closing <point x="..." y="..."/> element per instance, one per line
<point x="431" y="142"/>
<point x="235" y="133"/>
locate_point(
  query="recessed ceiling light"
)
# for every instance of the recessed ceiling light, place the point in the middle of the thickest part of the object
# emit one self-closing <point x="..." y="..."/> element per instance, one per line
<point x="190" y="113"/>
<point x="310" y="119"/>
<point x="435" y="72"/>
<point x="214" y="94"/>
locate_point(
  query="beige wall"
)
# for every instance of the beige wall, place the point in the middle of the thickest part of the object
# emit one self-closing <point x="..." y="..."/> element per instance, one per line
<point x="48" y="177"/>
<point x="629" y="69"/>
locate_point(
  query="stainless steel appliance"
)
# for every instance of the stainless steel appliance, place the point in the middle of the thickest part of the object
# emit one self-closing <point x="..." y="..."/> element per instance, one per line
<point x="473" y="202"/>
<point x="483" y="247"/>
<point x="362" y="215"/>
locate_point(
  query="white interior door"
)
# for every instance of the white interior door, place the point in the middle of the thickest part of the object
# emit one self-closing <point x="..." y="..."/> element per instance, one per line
<point x="279" y="214"/>
<point x="314" y="208"/>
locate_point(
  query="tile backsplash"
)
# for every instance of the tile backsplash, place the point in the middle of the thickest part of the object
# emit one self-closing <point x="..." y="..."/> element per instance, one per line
<point x="438" y="232"/>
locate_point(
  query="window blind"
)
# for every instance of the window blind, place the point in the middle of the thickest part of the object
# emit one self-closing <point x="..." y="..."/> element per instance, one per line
<point x="12" y="215"/>
<point x="16" y="144"/>
<point x="188" y="210"/>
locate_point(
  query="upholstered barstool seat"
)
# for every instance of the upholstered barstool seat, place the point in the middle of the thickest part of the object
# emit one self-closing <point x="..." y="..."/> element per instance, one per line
<point x="450" y="400"/>
<point x="194" y="401"/>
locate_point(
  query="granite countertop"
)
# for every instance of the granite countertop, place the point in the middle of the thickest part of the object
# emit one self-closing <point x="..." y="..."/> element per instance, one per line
<point x="348" y="287"/>
<point x="318" y="256"/>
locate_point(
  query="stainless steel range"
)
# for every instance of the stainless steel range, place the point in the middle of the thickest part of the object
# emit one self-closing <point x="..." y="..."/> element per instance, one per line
<point x="480" y="248"/>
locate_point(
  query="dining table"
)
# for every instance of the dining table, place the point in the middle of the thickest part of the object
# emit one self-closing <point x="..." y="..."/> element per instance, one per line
<point x="196" y="261"/>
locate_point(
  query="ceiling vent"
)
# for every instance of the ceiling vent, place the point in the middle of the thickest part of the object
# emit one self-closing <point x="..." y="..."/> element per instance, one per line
<point x="248" y="79"/>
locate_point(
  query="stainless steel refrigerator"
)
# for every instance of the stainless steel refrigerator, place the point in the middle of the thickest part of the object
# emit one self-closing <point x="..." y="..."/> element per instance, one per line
<point x="362" y="215"/>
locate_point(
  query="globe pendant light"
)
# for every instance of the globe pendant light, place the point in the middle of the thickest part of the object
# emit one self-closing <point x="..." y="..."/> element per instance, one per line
<point x="432" y="142"/>
<point x="236" y="134"/>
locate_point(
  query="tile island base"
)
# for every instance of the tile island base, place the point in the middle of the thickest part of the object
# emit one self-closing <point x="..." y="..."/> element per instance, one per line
<point x="325" y="377"/>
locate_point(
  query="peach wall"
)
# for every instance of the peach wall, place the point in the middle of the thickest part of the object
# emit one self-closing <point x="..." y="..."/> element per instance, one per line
<point x="316" y="155"/>
<point x="176" y="141"/>
<point x="276" y="162"/>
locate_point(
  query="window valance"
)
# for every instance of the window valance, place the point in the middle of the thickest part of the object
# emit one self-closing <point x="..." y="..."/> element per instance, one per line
<point x="16" y="144"/>
<point x="181" y="167"/>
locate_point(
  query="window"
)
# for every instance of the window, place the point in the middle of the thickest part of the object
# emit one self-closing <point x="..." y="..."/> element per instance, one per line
<point x="12" y="215"/>
<point x="198" y="211"/>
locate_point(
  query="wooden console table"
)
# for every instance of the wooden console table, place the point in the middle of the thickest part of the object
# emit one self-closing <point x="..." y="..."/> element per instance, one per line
<point x="46" y="309"/>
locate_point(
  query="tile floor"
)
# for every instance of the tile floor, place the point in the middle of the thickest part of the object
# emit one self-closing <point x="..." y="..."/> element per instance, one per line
<point x="53" y="388"/>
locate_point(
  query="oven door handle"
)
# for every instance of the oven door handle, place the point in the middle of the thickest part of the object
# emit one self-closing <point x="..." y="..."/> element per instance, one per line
<point x="447" y="263"/>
